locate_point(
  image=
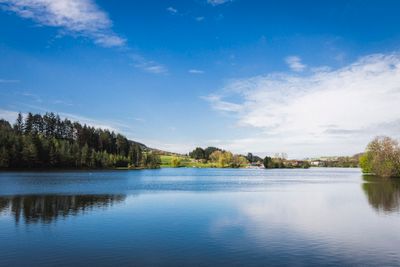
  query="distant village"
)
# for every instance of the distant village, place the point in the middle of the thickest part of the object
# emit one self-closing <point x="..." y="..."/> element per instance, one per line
<point x="350" y="162"/>
<point x="335" y="161"/>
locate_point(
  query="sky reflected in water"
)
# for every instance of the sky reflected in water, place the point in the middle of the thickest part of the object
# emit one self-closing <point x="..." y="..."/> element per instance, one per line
<point x="199" y="217"/>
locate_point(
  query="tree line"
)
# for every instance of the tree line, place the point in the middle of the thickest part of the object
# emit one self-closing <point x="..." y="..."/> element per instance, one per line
<point x="222" y="159"/>
<point x="48" y="141"/>
<point x="280" y="162"/>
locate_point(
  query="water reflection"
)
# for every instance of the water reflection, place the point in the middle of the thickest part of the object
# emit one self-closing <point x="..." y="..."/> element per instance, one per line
<point x="48" y="208"/>
<point x="383" y="193"/>
<point x="192" y="217"/>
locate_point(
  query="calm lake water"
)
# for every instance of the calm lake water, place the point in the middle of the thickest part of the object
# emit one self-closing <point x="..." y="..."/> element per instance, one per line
<point x="200" y="217"/>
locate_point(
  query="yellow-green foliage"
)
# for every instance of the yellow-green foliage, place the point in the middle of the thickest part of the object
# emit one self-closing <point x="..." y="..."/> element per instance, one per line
<point x="221" y="158"/>
<point x="218" y="159"/>
<point x="382" y="158"/>
<point x="175" y="162"/>
<point x="225" y="159"/>
<point x="366" y="162"/>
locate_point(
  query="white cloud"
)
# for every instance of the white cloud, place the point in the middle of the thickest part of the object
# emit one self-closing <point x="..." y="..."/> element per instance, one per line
<point x="322" y="113"/>
<point x="76" y="17"/>
<point x="294" y="63"/>
<point x="148" y="65"/>
<point x="219" y="104"/>
<point x="172" y="10"/>
<point x="201" y="18"/>
<point x="195" y="71"/>
<point x="8" y="115"/>
<point x="217" y="2"/>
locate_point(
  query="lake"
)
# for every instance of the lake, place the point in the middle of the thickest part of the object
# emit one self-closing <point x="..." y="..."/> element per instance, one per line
<point x="199" y="217"/>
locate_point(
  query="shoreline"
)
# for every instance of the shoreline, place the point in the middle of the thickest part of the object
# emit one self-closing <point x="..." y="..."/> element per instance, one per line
<point x="162" y="167"/>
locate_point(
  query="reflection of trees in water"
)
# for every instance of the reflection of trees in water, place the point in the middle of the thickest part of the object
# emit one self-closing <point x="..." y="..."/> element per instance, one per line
<point x="3" y="204"/>
<point x="51" y="207"/>
<point x="383" y="193"/>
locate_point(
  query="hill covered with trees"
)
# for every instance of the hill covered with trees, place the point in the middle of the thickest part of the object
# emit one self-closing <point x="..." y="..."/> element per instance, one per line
<point x="48" y="141"/>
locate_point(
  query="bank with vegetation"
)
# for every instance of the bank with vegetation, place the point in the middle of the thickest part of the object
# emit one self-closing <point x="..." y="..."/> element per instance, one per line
<point x="213" y="157"/>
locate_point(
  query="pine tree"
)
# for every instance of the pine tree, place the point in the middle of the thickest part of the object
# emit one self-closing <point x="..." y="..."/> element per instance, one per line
<point x="19" y="124"/>
<point x="28" y="123"/>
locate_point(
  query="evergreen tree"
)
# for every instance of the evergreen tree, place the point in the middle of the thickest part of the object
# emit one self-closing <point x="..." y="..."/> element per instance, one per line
<point x="19" y="124"/>
<point x="198" y="153"/>
<point x="28" y="124"/>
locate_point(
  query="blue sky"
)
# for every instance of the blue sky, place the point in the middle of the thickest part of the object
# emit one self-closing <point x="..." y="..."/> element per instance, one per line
<point x="306" y="78"/>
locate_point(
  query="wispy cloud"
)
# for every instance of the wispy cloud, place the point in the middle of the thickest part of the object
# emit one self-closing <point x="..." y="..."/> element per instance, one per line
<point x="218" y="2"/>
<point x="62" y="102"/>
<point x="196" y="71"/>
<point x="75" y="17"/>
<point x="294" y="63"/>
<point x="201" y="18"/>
<point x="218" y="104"/>
<point x="148" y="65"/>
<point x="172" y="10"/>
<point x="139" y="119"/>
<point x="34" y="97"/>
<point x="325" y="112"/>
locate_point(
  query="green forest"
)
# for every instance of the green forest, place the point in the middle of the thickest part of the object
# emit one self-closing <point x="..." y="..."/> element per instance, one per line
<point x="48" y="141"/>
